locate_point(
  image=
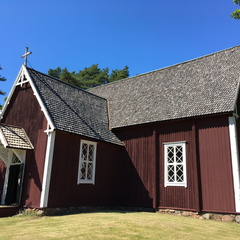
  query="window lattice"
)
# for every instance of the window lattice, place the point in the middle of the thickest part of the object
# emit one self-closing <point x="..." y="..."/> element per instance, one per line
<point x="15" y="159"/>
<point x="87" y="162"/>
<point x="175" y="173"/>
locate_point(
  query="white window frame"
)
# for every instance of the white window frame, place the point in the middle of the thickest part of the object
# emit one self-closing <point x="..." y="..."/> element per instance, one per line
<point x="86" y="161"/>
<point x="175" y="164"/>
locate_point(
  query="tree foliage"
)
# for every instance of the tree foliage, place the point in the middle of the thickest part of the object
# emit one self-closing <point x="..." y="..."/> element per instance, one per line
<point x="90" y="76"/>
<point x="236" y="13"/>
<point x="119" y="74"/>
<point x="2" y="79"/>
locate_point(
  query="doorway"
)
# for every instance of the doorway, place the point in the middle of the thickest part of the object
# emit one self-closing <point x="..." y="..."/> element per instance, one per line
<point x="13" y="195"/>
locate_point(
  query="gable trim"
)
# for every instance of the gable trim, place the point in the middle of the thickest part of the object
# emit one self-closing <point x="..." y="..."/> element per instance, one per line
<point x="24" y="72"/>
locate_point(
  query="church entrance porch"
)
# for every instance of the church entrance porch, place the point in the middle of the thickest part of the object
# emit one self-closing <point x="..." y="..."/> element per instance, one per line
<point x="13" y="147"/>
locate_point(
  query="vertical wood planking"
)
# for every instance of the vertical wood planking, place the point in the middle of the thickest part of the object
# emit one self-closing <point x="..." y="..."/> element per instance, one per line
<point x="24" y="111"/>
<point x="215" y="165"/>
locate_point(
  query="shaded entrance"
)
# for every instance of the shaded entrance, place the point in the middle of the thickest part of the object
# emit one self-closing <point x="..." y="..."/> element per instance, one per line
<point x="14" y="187"/>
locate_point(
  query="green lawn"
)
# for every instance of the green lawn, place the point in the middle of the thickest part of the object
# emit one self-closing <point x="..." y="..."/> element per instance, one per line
<point x="115" y="225"/>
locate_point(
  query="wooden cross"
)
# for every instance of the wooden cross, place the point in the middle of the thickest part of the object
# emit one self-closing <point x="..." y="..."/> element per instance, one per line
<point x="25" y="56"/>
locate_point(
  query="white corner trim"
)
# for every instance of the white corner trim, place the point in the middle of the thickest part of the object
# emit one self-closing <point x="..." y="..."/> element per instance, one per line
<point x="235" y="161"/>
<point x="47" y="169"/>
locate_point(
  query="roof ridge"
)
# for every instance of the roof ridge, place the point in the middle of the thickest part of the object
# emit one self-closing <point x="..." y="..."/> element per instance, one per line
<point x="62" y="82"/>
<point x="167" y="67"/>
<point x="199" y="87"/>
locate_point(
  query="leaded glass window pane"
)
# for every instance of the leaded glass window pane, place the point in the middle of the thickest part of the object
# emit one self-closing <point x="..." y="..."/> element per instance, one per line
<point x="171" y="173"/>
<point x="179" y="173"/>
<point x="170" y="154"/>
<point x="179" y="154"/>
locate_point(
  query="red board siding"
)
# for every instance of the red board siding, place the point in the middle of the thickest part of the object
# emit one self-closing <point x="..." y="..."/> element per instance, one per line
<point x="215" y="165"/>
<point x="25" y="111"/>
<point x="64" y="190"/>
<point x="179" y="197"/>
<point x="139" y="166"/>
<point x="209" y="174"/>
<point x="145" y="179"/>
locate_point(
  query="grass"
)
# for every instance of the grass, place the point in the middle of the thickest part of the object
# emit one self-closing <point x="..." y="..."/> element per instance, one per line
<point x="115" y="225"/>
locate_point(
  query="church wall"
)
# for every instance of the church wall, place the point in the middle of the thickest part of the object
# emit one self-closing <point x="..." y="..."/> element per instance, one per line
<point x="215" y="165"/>
<point x="64" y="190"/>
<point x="24" y="111"/>
<point x="208" y="161"/>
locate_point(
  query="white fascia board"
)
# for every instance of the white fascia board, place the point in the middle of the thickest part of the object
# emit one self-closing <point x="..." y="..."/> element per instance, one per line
<point x="43" y="107"/>
<point x="235" y="162"/>
<point x="3" y="139"/>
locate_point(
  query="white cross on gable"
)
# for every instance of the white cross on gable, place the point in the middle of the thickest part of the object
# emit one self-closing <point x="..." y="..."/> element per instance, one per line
<point x="25" y="56"/>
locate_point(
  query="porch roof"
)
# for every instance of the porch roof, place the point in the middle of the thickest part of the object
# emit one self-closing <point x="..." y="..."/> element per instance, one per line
<point x="14" y="137"/>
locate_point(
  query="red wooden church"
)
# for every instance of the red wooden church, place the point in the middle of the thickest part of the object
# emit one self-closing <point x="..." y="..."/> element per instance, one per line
<point x="164" y="139"/>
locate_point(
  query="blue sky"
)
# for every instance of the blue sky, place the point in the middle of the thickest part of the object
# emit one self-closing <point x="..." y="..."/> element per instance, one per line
<point x="143" y="34"/>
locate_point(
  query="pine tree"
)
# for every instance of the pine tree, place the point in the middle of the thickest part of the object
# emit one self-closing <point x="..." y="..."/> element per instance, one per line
<point x="119" y="74"/>
<point x="90" y="76"/>
<point x="236" y="13"/>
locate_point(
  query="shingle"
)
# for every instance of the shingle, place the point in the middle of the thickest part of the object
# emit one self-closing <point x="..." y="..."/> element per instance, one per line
<point x="203" y="86"/>
<point x="72" y="109"/>
<point x="15" y="137"/>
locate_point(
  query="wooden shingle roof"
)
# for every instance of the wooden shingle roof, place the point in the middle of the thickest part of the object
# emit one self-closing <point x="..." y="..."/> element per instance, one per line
<point x="72" y="109"/>
<point x="14" y="137"/>
<point x="203" y="86"/>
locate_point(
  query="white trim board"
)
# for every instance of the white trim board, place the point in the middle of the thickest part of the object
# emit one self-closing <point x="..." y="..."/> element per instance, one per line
<point x="167" y="183"/>
<point x="47" y="169"/>
<point x="235" y="161"/>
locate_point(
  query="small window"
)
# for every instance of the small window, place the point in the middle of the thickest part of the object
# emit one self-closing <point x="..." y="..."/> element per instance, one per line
<point x="87" y="162"/>
<point x="175" y="164"/>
